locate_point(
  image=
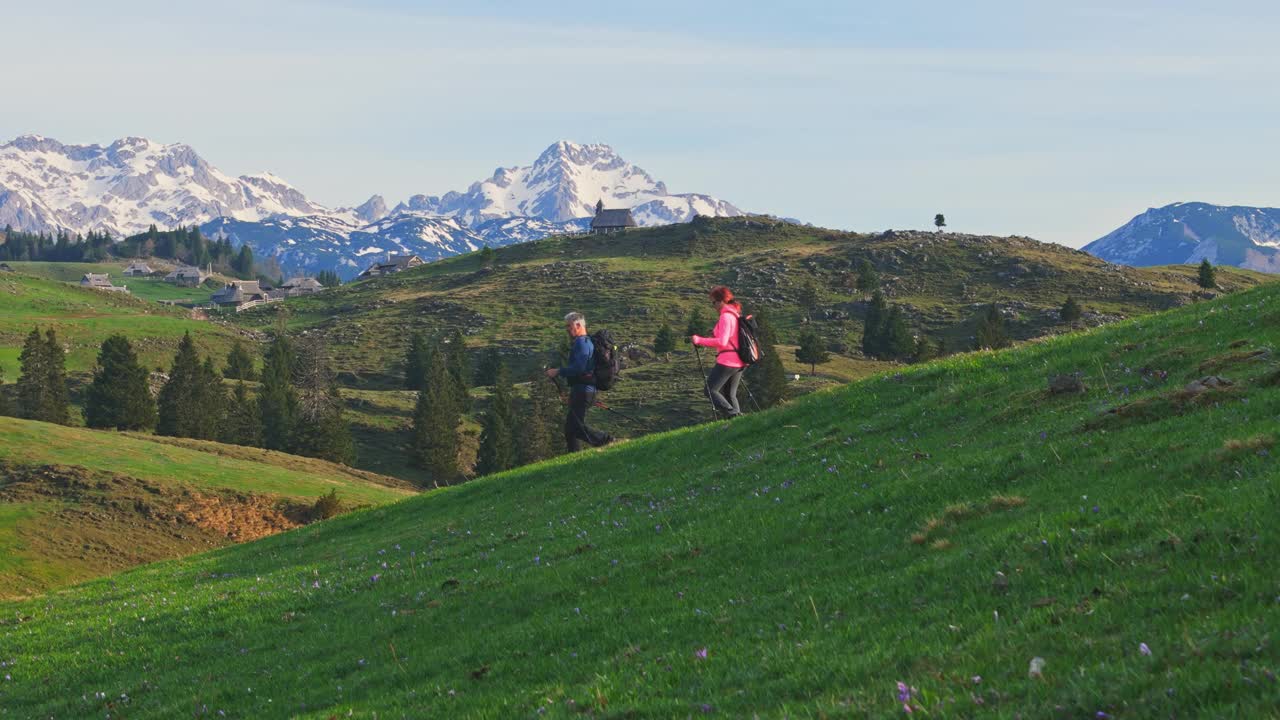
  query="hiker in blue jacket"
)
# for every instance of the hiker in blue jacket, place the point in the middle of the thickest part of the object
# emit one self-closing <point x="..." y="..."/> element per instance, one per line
<point x="582" y="389"/>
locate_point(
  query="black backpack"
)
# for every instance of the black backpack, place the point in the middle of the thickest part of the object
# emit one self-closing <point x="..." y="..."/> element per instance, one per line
<point x="606" y="363"/>
<point x="749" y="351"/>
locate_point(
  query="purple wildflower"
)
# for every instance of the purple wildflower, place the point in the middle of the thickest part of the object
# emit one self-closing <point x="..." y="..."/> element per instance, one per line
<point x="977" y="679"/>
<point x="701" y="654"/>
<point x="375" y="578"/>
<point x="904" y="693"/>
<point x="1142" y="648"/>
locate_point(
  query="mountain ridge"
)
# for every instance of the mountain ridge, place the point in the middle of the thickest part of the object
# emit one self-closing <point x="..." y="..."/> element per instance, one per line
<point x="1188" y="232"/>
<point x="133" y="183"/>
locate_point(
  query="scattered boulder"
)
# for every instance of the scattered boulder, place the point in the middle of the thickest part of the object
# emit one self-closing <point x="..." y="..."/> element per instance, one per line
<point x="1206" y="383"/>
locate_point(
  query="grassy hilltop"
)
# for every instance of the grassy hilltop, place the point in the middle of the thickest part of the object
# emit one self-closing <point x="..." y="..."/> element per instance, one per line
<point x="938" y="527"/>
<point x="77" y="504"/>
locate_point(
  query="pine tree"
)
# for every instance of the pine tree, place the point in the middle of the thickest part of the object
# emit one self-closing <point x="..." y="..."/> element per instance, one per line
<point x="487" y="257"/>
<point x="119" y="396"/>
<point x="540" y="422"/>
<point x="58" y="408"/>
<point x="899" y="343"/>
<point x="42" y="384"/>
<point x="193" y="399"/>
<point x="487" y="368"/>
<point x="242" y="424"/>
<point x="328" y="278"/>
<point x="211" y="398"/>
<point x="811" y="351"/>
<point x="434" y="446"/>
<point x="926" y="350"/>
<point x="990" y="334"/>
<point x="697" y="323"/>
<point x="176" y="410"/>
<point x="32" y="377"/>
<point x="277" y="400"/>
<point x="497" y="435"/>
<point x="939" y="221"/>
<point x="868" y="280"/>
<point x="456" y="365"/>
<point x="243" y="264"/>
<point x="768" y="377"/>
<point x="1071" y="310"/>
<point x="665" y="341"/>
<point x="1207" y="278"/>
<point x="321" y="429"/>
<point x="873" y="326"/>
<point x="239" y="363"/>
<point x="415" y="360"/>
<point x="807" y="296"/>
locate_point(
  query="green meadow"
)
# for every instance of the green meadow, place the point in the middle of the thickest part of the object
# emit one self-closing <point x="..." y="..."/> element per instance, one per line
<point x="945" y="540"/>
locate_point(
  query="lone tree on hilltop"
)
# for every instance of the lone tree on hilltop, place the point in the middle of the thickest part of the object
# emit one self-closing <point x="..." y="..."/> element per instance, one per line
<point x="1071" y="310"/>
<point x="991" y="334"/>
<point x="665" y="341"/>
<point x="811" y="351"/>
<point x="1208" y="278"/>
<point x="939" y="221"/>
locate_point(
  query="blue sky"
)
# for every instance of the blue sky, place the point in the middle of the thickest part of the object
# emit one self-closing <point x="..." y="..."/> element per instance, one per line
<point x="1049" y="119"/>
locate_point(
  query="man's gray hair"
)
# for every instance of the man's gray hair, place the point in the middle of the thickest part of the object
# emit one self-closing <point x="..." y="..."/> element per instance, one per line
<point x="575" y="318"/>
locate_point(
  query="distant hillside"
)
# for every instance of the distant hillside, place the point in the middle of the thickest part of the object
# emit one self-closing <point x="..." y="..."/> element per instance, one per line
<point x="1246" y="237"/>
<point x="952" y="540"/>
<point x="632" y="283"/>
<point x="83" y="318"/>
<point x="77" y="504"/>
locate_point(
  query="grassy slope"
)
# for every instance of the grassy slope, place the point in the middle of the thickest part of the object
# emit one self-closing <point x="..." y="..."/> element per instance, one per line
<point x="148" y="288"/>
<point x="781" y="545"/>
<point x="83" y="318"/>
<point x="165" y="463"/>
<point x="634" y="282"/>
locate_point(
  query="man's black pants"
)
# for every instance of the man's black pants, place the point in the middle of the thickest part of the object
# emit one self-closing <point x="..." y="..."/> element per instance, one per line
<point x="576" y="430"/>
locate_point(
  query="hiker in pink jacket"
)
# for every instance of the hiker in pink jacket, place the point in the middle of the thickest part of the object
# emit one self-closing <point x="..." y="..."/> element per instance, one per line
<point x="724" y="340"/>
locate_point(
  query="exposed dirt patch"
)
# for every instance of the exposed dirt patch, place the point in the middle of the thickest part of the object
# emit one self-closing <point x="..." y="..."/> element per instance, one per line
<point x="1200" y="393"/>
<point x="1231" y="359"/>
<point x="85" y="523"/>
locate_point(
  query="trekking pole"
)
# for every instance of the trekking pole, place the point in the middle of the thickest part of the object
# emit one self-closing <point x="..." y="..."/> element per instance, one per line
<point x="619" y="413"/>
<point x="706" y="388"/>
<point x="749" y="393"/>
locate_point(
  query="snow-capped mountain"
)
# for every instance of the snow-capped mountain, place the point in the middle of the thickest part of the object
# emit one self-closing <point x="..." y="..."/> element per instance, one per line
<point x="337" y="242"/>
<point x="564" y="184"/>
<point x="133" y="183"/>
<point x="1246" y="237"/>
<point x="125" y="187"/>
